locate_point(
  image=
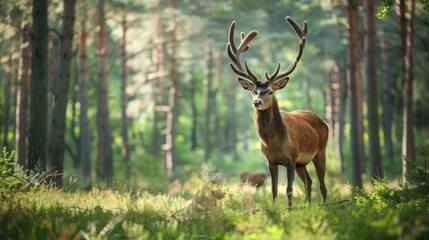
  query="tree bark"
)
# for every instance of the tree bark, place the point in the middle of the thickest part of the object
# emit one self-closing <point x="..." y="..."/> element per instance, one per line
<point x="207" y="92"/>
<point x="233" y="117"/>
<point x="387" y="106"/>
<point x="194" y="115"/>
<point x="158" y="61"/>
<point x="54" y="54"/>
<point x="172" y="116"/>
<point x="353" y="70"/>
<point x="74" y="151"/>
<point x="124" y="99"/>
<point x="376" y="171"/>
<point x="244" y="118"/>
<point x="62" y="83"/>
<point x="330" y="101"/>
<point x="7" y="103"/>
<point x="15" y="72"/>
<point x="85" y="142"/>
<point x="104" y="135"/>
<point x="37" y="138"/>
<point x="216" y="129"/>
<point x="359" y="102"/>
<point x="339" y="113"/>
<point x="21" y="120"/>
<point x="406" y="21"/>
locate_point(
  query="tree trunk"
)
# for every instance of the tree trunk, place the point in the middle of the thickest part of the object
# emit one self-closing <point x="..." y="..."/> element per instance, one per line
<point x="37" y="138"/>
<point x="74" y="151"/>
<point x="158" y="60"/>
<point x="245" y="119"/>
<point x="207" y="90"/>
<point x="54" y="45"/>
<point x="194" y="115"/>
<point x="85" y="142"/>
<point x="104" y="135"/>
<point x="216" y="130"/>
<point x="371" y="81"/>
<point x="22" y="98"/>
<point x="124" y="99"/>
<point x="339" y="113"/>
<point x="7" y="103"/>
<point x="406" y="16"/>
<point x="360" y="129"/>
<point x="233" y="117"/>
<point x="15" y="72"/>
<point x="330" y="101"/>
<point x="58" y="124"/>
<point x="387" y="107"/>
<point x="172" y="116"/>
<point x="353" y="70"/>
<point x="54" y="54"/>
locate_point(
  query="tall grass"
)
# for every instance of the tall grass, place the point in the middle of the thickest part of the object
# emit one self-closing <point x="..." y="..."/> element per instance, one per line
<point x="196" y="209"/>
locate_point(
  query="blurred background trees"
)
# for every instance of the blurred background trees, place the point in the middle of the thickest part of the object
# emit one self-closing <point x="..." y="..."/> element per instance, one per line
<point x="129" y="90"/>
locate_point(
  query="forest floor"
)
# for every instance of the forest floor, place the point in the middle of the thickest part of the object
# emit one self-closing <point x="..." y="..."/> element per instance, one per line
<point x="198" y="210"/>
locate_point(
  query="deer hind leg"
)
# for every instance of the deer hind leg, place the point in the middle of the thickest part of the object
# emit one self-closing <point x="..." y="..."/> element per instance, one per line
<point x="305" y="177"/>
<point x="320" y="165"/>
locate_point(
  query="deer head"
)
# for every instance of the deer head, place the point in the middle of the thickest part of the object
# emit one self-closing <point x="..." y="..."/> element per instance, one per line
<point x="263" y="92"/>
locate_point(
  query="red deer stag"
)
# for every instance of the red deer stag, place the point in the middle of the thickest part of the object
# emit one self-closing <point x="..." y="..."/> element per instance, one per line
<point x="291" y="139"/>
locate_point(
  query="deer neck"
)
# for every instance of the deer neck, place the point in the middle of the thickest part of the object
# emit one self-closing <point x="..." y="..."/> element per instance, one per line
<point x="269" y="126"/>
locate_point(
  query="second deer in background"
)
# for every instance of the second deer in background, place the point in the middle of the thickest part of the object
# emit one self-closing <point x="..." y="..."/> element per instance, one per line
<point x="253" y="179"/>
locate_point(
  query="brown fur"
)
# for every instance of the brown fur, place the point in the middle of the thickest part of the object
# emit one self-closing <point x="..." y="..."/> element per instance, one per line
<point x="292" y="139"/>
<point x="253" y="179"/>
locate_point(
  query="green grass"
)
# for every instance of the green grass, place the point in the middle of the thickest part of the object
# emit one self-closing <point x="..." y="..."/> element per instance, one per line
<point x="195" y="209"/>
<point x="211" y="212"/>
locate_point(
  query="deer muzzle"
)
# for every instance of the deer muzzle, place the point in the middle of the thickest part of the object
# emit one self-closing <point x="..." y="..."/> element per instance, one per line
<point x="257" y="103"/>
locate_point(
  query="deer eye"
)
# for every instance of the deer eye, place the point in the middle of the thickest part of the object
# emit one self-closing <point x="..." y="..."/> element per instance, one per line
<point x="270" y="92"/>
<point x="255" y="92"/>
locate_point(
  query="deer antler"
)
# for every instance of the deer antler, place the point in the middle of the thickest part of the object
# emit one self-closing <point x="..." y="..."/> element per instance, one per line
<point x="235" y="52"/>
<point x="302" y="34"/>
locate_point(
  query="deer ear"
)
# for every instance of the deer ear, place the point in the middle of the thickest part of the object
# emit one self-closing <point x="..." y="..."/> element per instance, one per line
<point x="246" y="84"/>
<point x="279" y="84"/>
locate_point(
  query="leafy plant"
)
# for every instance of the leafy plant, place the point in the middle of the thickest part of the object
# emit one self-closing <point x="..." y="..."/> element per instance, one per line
<point x="419" y="172"/>
<point x="384" y="8"/>
<point x="14" y="178"/>
<point x="10" y="176"/>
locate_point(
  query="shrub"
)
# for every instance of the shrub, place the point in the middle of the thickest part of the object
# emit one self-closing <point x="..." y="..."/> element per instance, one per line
<point x="418" y="174"/>
<point x="12" y="176"/>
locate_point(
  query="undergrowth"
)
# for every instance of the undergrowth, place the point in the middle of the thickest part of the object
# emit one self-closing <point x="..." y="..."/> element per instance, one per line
<point x="197" y="209"/>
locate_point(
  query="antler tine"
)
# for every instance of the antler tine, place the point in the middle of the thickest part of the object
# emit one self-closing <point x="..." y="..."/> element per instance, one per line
<point x="235" y="52"/>
<point x="302" y="34"/>
<point x="271" y="78"/>
<point x="293" y="65"/>
<point x="242" y="35"/>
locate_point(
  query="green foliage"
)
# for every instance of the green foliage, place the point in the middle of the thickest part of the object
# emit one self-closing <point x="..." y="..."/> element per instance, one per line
<point x="426" y="5"/>
<point x="12" y="177"/>
<point x="212" y="211"/>
<point x="377" y="200"/>
<point x="15" y="179"/>
<point x="384" y="8"/>
<point x="418" y="173"/>
<point x="386" y="5"/>
<point x="384" y="213"/>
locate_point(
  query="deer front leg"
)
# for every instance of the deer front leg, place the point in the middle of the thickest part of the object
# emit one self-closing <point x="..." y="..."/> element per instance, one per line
<point x="290" y="177"/>
<point x="274" y="172"/>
